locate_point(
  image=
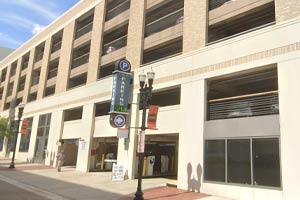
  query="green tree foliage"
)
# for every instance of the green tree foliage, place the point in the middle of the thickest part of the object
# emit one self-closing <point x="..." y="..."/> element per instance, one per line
<point x="6" y="129"/>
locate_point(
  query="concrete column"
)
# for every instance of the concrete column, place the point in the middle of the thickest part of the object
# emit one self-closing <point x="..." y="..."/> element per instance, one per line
<point x="17" y="78"/>
<point x="6" y="82"/>
<point x="96" y="42"/>
<point x="190" y="154"/>
<point x="33" y="135"/>
<point x="55" y="133"/>
<point x="135" y="37"/>
<point x="289" y="97"/>
<point x="85" y="142"/>
<point x="286" y="10"/>
<point x="65" y="58"/>
<point x="127" y="148"/>
<point x="195" y="24"/>
<point x="44" y="68"/>
<point x="28" y="76"/>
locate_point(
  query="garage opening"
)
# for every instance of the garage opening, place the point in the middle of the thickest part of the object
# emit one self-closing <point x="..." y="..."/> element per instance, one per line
<point x="104" y="153"/>
<point x="161" y="156"/>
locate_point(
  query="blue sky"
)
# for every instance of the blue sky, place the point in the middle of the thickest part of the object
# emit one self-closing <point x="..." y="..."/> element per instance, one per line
<point x="22" y="19"/>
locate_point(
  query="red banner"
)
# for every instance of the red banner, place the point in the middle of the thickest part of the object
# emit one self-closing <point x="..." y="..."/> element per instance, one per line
<point x="25" y="124"/>
<point x="152" y="117"/>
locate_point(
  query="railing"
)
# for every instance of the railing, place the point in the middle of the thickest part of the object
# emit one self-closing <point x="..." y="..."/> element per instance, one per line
<point x="52" y="73"/>
<point x="117" y="10"/>
<point x="216" y="3"/>
<point x="84" y="30"/>
<point x="80" y="60"/>
<point x="56" y="47"/>
<point x="165" y="22"/>
<point x="114" y="45"/>
<point x="265" y="103"/>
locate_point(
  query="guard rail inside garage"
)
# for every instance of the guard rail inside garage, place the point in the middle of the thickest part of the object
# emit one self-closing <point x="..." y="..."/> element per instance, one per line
<point x="165" y="22"/>
<point x="118" y="9"/>
<point x="216" y="3"/>
<point x="114" y="45"/>
<point x="257" y="104"/>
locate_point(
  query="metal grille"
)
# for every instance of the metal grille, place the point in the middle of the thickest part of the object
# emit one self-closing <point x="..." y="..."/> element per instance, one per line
<point x="244" y="106"/>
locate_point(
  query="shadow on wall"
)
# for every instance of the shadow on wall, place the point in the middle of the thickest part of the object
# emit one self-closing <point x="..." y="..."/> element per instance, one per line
<point x="194" y="184"/>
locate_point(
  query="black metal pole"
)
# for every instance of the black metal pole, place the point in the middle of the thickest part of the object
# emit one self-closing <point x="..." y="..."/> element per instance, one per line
<point x="144" y="101"/>
<point x="12" y="165"/>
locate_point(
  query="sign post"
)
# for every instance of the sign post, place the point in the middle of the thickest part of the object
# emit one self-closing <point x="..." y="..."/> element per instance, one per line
<point x="120" y="93"/>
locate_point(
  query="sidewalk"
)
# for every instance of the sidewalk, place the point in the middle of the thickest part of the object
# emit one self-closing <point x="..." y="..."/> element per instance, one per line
<point x="70" y="184"/>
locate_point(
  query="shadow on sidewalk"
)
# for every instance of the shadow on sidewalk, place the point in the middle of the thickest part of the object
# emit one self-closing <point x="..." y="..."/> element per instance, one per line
<point x="167" y="193"/>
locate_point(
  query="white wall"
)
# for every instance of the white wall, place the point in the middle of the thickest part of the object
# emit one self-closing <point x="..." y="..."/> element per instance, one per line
<point x="289" y="99"/>
<point x="191" y="133"/>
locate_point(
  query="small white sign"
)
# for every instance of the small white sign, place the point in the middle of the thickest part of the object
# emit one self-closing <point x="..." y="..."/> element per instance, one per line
<point x="83" y="146"/>
<point x="141" y="142"/>
<point x="118" y="172"/>
<point x="122" y="132"/>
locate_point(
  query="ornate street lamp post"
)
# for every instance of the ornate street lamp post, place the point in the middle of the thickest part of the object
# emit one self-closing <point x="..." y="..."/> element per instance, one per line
<point x="20" y="113"/>
<point x="145" y="96"/>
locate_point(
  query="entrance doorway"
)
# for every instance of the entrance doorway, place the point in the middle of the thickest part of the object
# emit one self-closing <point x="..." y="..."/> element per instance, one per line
<point x="105" y="153"/>
<point x="40" y="152"/>
<point x="161" y="156"/>
<point x="70" y="148"/>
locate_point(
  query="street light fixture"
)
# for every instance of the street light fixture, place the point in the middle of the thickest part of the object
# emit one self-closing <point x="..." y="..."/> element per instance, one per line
<point x="145" y="96"/>
<point x="21" y="107"/>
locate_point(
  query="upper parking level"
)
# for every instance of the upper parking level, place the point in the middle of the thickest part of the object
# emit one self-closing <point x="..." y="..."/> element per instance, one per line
<point x="81" y="46"/>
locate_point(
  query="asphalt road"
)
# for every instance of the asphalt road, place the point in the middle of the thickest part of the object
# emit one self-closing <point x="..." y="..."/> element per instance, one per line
<point x="11" y="192"/>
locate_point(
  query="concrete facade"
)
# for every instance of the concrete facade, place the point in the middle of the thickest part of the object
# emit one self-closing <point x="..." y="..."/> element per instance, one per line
<point x="191" y="70"/>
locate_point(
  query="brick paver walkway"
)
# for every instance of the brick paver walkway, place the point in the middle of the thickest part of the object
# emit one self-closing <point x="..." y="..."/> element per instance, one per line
<point x="167" y="193"/>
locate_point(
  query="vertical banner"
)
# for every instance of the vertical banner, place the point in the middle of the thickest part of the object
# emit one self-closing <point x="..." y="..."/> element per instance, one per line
<point x="152" y="117"/>
<point x="141" y="142"/>
<point x="25" y="124"/>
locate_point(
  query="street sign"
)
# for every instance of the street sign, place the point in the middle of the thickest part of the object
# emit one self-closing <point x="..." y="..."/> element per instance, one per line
<point x="123" y="65"/>
<point x="123" y="132"/>
<point x="120" y="92"/>
<point x="117" y="120"/>
<point x="141" y="142"/>
<point x="25" y="124"/>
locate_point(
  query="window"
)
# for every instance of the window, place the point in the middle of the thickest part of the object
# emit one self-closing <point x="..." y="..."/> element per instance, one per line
<point x="25" y="138"/>
<point x="32" y="97"/>
<point x="102" y="109"/>
<point x="214" y="160"/>
<point x="44" y="125"/>
<point x="266" y="164"/>
<point x="166" y="98"/>
<point x="10" y="89"/>
<point x="50" y="91"/>
<point x="106" y="70"/>
<point x="3" y="75"/>
<point x="35" y="77"/>
<point x="229" y="161"/>
<point x="238" y="161"/>
<point x="77" y="80"/>
<point x="73" y="114"/>
<point x="22" y="83"/>
<point x="13" y="69"/>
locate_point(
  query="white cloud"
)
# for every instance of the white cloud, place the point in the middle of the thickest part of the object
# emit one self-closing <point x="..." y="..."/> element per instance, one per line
<point x="37" y="28"/>
<point x="9" y="40"/>
<point x="37" y="8"/>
